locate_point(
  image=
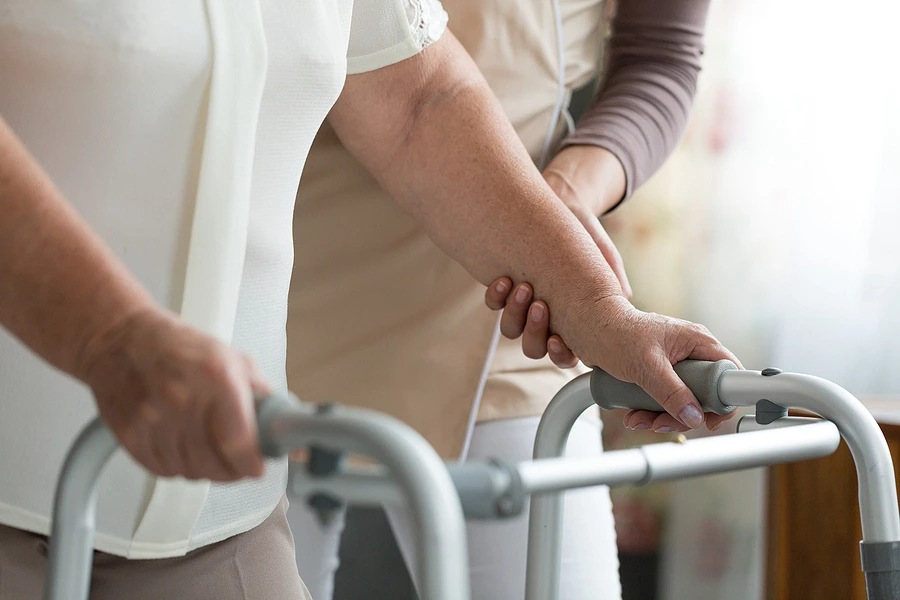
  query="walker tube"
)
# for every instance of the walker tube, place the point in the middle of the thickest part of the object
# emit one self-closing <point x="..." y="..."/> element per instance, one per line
<point x="874" y="467"/>
<point x="412" y="463"/>
<point x="667" y="461"/>
<point x="74" y="512"/>
<point x="367" y="486"/>
<point x="732" y="387"/>
<point x="880" y="546"/>
<point x="284" y="425"/>
<point x="545" y="513"/>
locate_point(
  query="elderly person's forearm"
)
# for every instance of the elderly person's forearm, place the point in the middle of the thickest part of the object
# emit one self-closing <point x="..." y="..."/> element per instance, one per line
<point x="60" y="288"/>
<point x="65" y="295"/>
<point x="445" y="150"/>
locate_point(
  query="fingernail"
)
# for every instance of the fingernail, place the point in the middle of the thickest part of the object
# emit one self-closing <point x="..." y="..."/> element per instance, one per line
<point x="555" y="346"/>
<point x="641" y="426"/>
<point x="537" y="312"/>
<point x="664" y="429"/>
<point x="522" y="294"/>
<point x="502" y="287"/>
<point x="691" y="416"/>
<point x="717" y="425"/>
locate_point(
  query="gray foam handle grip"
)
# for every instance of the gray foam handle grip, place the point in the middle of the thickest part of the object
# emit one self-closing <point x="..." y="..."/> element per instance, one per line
<point x="272" y="432"/>
<point x="701" y="377"/>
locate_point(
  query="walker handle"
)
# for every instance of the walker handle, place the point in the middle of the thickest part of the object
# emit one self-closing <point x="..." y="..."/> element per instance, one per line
<point x="701" y="377"/>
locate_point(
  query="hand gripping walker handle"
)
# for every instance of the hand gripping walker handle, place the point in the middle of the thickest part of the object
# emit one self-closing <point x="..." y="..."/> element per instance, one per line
<point x="72" y="536"/>
<point x="701" y="377"/>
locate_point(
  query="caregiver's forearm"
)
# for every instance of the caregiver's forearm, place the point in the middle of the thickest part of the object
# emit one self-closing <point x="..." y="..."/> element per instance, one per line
<point x="60" y="288"/>
<point x="432" y="132"/>
<point x="649" y="81"/>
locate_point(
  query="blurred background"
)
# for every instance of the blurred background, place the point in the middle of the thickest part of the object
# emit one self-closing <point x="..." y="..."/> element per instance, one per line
<point x="777" y="225"/>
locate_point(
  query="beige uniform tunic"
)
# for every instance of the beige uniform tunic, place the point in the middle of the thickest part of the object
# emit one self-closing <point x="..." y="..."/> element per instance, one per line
<point x="379" y="317"/>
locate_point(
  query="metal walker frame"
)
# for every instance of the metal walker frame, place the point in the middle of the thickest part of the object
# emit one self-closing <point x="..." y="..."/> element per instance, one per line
<point x="441" y="496"/>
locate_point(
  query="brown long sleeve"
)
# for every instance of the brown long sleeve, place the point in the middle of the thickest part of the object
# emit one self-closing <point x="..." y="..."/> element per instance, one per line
<point x="643" y="103"/>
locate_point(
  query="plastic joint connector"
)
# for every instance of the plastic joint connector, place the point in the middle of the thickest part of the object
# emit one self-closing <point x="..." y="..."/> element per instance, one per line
<point x="768" y="412"/>
<point x="489" y="489"/>
<point x="323" y="463"/>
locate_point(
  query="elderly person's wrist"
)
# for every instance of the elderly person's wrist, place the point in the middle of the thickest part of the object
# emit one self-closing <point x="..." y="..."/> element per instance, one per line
<point x="589" y="177"/>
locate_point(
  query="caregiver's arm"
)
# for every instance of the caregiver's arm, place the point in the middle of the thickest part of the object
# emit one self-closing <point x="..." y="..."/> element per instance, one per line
<point x="634" y="123"/>
<point x="432" y="132"/>
<point x="642" y="106"/>
<point x="179" y="401"/>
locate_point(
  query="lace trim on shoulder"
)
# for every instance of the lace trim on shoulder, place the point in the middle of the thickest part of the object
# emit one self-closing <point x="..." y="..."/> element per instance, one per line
<point x="427" y="21"/>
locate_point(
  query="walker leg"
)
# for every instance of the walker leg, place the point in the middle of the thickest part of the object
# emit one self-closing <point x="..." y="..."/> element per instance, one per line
<point x="546" y="512"/>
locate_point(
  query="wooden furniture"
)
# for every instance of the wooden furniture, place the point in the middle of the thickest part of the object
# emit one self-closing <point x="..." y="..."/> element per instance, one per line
<point x="813" y="529"/>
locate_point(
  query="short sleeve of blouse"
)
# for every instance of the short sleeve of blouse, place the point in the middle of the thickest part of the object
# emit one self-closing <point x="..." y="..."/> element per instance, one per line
<point x="384" y="32"/>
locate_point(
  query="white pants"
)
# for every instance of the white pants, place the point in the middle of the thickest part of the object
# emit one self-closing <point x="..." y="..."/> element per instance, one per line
<point x="497" y="549"/>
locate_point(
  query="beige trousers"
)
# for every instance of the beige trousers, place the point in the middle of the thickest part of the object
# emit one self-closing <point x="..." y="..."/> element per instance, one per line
<point x="256" y="565"/>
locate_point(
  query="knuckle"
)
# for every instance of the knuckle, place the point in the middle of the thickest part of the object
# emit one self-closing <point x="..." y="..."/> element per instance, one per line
<point x="696" y="331"/>
<point x="174" y="394"/>
<point x="215" y="364"/>
<point x="147" y="414"/>
<point x="129" y="438"/>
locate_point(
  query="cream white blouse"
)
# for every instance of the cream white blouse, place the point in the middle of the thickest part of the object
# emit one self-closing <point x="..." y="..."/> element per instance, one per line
<point x="178" y="129"/>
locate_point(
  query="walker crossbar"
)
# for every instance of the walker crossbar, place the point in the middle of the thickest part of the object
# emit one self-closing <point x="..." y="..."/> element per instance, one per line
<point x="504" y="497"/>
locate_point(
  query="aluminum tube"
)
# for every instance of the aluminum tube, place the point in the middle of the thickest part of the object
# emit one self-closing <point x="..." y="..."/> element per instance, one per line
<point x="748" y="423"/>
<point x="560" y="474"/>
<point x="74" y="514"/>
<point x="667" y="461"/>
<point x="370" y="486"/>
<point x="418" y="470"/>
<point x="739" y="451"/>
<point x="545" y="514"/>
<point x="874" y="467"/>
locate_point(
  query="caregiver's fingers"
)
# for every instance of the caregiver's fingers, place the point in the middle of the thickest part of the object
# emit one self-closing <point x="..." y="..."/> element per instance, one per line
<point x="515" y="315"/>
<point x="537" y="331"/>
<point x="496" y="294"/>
<point x="560" y="354"/>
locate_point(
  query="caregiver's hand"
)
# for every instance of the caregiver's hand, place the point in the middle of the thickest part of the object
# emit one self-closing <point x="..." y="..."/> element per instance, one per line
<point x="179" y="401"/>
<point x="523" y="316"/>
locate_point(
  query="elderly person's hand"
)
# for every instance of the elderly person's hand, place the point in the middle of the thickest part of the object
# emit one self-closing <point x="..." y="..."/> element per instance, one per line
<point x="636" y="346"/>
<point x="179" y="401"/>
<point x="590" y="181"/>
